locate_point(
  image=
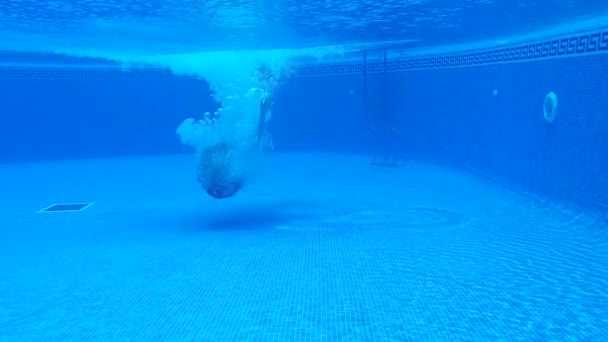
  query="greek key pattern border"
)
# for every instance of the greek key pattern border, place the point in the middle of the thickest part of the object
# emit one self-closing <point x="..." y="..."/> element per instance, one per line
<point x="576" y="45"/>
<point x="567" y="46"/>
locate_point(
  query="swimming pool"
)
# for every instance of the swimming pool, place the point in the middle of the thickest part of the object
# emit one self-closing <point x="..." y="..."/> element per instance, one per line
<point x="419" y="190"/>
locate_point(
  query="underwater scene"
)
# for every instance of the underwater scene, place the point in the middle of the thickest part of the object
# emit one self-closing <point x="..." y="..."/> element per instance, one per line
<point x="320" y="170"/>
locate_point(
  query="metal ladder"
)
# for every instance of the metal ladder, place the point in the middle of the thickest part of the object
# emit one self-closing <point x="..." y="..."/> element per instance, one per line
<point x="380" y="120"/>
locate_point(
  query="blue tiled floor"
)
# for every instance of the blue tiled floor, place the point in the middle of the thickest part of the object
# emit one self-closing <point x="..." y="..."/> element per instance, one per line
<point x="318" y="248"/>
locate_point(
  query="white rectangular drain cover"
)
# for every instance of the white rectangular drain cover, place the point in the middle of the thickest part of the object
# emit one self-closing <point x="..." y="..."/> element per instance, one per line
<point x="62" y="207"/>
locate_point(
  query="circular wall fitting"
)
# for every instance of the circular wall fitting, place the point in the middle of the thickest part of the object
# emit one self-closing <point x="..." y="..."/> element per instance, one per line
<point x="550" y="107"/>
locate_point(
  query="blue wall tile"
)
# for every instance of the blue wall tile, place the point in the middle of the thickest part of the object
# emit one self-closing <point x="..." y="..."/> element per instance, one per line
<point x="453" y="115"/>
<point x="58" y="118"/>
<point x="486" y="117"/>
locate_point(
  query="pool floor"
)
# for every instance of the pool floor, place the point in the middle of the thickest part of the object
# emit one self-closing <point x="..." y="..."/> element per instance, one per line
<point x="320" y="247"/>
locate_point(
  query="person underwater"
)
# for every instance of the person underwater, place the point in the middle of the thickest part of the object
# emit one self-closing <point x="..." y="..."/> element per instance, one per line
<point x="223" y="168"/>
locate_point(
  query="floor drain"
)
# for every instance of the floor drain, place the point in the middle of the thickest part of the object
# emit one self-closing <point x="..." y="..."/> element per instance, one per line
<point x="62" y="207"/>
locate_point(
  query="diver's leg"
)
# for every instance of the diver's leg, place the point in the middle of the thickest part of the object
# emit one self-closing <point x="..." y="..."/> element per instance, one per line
<point x="265" y="105"/>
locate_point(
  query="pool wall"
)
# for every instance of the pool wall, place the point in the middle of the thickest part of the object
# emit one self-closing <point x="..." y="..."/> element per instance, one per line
<point x="481" y="110"/>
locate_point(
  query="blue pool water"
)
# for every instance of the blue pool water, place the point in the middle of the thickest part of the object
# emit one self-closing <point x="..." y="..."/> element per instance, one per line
<point x="438" y="171"/>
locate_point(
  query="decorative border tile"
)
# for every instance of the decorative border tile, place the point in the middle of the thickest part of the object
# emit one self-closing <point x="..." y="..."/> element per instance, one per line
<point x="577" y="45"/>
<point x="567" y="46"/>
<point x="81" y="73"/>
